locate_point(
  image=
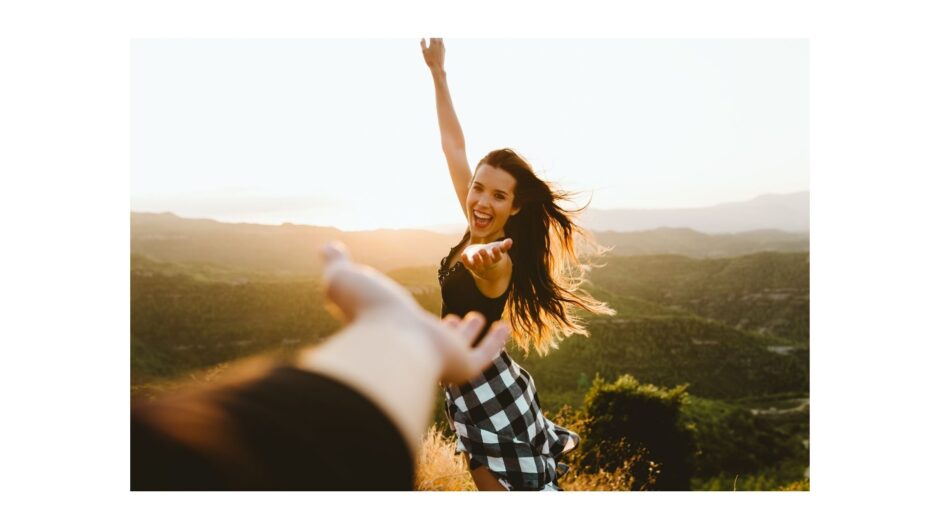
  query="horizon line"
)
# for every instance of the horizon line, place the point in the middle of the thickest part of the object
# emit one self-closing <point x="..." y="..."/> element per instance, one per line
<point x="442" y="227"/>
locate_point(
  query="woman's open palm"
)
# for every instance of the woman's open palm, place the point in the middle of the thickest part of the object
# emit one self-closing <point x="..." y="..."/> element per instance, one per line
<point x="479" y="258"/>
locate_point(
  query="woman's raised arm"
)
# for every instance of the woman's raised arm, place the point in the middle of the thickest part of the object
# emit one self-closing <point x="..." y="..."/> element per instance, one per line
<point x="452" y="141"/>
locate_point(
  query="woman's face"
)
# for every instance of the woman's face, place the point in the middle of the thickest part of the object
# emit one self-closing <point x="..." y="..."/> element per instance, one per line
<point x="489" y="202"/>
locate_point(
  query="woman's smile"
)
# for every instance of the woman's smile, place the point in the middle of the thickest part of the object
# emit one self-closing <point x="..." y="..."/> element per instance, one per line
<point x="481" y="221"/>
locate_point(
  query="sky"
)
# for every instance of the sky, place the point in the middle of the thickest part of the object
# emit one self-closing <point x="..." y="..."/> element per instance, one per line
<point x="343" y="132"/>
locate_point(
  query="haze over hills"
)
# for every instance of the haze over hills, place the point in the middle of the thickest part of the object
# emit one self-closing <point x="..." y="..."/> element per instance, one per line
<point x="292" y="249"/>
<point x="288" y="248"/>
<point x="688" y="242"/>
<point x="784" y="212"/>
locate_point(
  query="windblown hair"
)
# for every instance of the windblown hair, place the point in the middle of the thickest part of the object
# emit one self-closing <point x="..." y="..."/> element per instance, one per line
<point x="550" y="256"/>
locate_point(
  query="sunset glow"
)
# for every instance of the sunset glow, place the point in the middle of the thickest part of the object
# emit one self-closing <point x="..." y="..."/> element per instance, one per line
<point x="344" y="133"/>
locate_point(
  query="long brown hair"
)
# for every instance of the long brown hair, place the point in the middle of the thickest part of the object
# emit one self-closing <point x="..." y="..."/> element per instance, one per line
<point x="549" y="259"/>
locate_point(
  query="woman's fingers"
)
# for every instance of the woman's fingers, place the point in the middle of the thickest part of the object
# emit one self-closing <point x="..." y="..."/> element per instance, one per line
<point x="497" y="254"/>
<point x="486" y="255"/>
<point x="433" y="52"/>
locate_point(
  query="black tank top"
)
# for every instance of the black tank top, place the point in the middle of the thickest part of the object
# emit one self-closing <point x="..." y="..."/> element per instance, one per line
<point x="461" y="295"/>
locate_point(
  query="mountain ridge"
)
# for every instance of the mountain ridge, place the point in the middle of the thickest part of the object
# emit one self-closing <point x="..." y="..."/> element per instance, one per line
<point x="294" y="248"/>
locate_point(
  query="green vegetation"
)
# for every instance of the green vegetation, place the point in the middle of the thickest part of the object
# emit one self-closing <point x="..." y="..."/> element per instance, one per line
<point x="715" y="360"/>
<point x="189" y="319"/>
<point x="626" y="421"/>
<point x="733" y="440"/>
<point x="767" y="293"/>
<point x="729" y="335"/>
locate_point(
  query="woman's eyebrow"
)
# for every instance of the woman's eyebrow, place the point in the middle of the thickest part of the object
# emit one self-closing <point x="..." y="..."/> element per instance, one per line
<point x="476" y="183"/>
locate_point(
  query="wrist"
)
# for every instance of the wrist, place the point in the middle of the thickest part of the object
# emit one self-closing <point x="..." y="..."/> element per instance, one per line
<point x="438" y="71"/>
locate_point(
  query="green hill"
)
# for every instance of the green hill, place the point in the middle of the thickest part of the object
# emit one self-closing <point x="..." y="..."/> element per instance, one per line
<point x="715" y="360"/>
<point x="191" y="317"/>
<point x="767" y="293"/>
<point x="734" y="329"/>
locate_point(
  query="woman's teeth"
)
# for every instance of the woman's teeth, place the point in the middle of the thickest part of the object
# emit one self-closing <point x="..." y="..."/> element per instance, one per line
<point x="481" y="220"/>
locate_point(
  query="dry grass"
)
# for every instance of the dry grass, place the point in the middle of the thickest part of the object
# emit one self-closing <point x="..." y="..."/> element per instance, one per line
<point x="619" y="479"/>
<point x="796" y="486"/>
<point x="438" y="467"/>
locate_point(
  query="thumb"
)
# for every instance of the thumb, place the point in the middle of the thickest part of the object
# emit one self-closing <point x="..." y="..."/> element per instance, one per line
<point x="355" y="288"/>
<point x="334" y="252"/>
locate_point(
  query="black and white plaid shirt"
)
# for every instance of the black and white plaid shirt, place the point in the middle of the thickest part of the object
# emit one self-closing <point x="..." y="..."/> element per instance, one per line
<point x="499" y="424"/>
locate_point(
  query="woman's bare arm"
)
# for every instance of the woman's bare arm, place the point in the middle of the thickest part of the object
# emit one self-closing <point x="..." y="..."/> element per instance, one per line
<point x="452" y="140"/>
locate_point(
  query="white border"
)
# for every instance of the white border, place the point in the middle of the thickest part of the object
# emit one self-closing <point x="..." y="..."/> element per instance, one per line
<point x="64" y="104"/>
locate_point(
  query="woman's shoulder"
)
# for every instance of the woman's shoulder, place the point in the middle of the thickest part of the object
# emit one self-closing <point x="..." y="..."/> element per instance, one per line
<point x="444" y="260"/>
<point x="464" y="240"/>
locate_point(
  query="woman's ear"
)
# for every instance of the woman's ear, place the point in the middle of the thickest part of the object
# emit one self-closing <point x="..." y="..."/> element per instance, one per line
<point x="514" y="211"/>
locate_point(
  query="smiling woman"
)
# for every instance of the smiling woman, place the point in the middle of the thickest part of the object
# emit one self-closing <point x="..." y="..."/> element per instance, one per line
<point x="518" y="250"/>
<point x="490" y="201"/>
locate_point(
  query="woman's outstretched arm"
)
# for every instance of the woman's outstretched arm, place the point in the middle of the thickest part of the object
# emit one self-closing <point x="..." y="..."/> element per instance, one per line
<point x="452" y="140"/>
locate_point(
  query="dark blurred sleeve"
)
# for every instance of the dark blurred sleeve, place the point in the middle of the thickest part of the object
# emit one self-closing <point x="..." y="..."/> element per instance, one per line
<point x="287" y="430"/>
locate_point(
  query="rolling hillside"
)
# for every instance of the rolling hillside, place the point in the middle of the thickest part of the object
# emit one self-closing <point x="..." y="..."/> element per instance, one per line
<point x="734" y="331"/>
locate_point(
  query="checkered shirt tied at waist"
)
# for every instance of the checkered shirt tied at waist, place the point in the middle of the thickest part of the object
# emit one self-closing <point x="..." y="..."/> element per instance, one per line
<point x="499" y="424"/>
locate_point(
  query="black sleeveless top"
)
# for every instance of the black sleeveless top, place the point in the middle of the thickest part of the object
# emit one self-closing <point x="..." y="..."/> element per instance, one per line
<point x="461" y="295"/>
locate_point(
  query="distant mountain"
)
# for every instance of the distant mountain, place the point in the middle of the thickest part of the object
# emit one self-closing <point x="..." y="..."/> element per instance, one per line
<point x="786" y="212"/>
<point x="292" y="249"/>
<point x="684" y="241"/>
<point x="288" y="248"/>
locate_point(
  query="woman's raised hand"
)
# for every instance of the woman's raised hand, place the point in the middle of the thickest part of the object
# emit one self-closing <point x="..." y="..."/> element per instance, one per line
<point x="433" y="54"/>
<point x="480" y="258"/>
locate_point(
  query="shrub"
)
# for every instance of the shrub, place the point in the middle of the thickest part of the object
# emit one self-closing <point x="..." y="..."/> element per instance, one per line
<point x="635" y="429"/>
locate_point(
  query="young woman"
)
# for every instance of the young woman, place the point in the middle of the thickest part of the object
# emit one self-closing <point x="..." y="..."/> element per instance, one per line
<point x="518" y="258"/>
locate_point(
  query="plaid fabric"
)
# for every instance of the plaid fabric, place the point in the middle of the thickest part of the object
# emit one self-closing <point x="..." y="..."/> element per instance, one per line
<point x="499" y="424"/>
